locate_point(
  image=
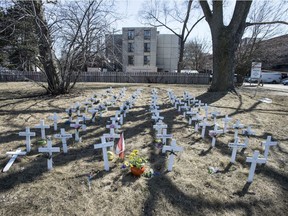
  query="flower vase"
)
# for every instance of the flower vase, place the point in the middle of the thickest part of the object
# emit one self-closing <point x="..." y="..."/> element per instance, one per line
<point x="137" y="171"/>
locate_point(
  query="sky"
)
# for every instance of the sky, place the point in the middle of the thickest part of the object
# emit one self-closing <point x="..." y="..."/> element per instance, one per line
<point x="130" y="9"/>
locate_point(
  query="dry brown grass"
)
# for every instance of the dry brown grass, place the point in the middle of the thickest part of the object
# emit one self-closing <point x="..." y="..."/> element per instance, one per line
<point x="29" y="189"/>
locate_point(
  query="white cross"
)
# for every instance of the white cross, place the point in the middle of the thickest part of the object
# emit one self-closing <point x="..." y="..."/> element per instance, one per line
<point x="236" y="145"/>
<point x="197" y="118"/>
<point x="55" y="119"/>
<point x="215" y="132"/>
<point x="247" y="132"/>
<point x="185" y="107"/>
<point x="157" y="117"/>
<point x="180" y="103"/>
<point x="13" y="158"/>
<point x="194" y="100"/>
<point x="42" y="126"/>
<point x="267" y="145"/>
<point x="104" y="145"/>
<point x="69" y="112"/>
<point x="87" y="104"/>
<point x="164" y="136"/>
<point x="77" y="108"/>
<point x="49" y="149"/>
<point x="254" y="160"/>
<point x="113" y="126"/>
<point x="83" y="118"/>
<point x="198" y="104"/>
<point x="119" y="117"/>
<point x="204" y="124"/>
<point x="214" y="115"/>
<point x="124" y="109"/>
<point x="237" y="126"/>
<point x="159" y="126"/>
<point x="63" y="136"/>
<point x="191" y="113"/>
<point x="226" y="120"/>
<point x="28" y="134"/>
<point x="206" y="108"/>
<point x="77" y="126"/>
<point x="172" y="149"/>
<point x="93" y="111"/>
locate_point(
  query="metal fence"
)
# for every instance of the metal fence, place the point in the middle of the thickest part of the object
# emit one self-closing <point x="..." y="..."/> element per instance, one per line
<point x="118" y="77"/>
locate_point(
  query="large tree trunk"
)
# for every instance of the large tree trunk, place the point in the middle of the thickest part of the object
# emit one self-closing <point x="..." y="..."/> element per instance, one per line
<point x="46" y="52"/>
<point x="223" y="61"/>
<point x="225" y="40"/>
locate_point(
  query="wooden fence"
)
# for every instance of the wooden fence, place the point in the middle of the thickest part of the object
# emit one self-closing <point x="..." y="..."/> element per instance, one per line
<point x="118" y="77"/>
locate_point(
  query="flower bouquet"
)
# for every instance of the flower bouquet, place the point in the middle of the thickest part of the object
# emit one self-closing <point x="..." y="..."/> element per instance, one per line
<point x="136" y="163"/>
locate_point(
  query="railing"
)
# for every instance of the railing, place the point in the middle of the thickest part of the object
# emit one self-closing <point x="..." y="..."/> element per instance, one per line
<point x="118" y="77"/>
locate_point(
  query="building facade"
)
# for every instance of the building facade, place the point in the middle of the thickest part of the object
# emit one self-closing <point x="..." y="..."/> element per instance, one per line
<point x="144" y="49"/>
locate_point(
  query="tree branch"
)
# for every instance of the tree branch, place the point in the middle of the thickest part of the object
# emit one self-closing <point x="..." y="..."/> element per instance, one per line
<point x="266" y="23"/>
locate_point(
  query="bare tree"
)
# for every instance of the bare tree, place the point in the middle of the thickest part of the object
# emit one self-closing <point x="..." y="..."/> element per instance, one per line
<point x="250" y="47"/>
<point x="226" y="38"/>
<point x="70" y="40"/>
<point x="164" y="13"/>
<point x="196" y="54"/>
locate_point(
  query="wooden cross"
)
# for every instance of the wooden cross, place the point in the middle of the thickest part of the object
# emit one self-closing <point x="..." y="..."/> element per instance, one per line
<point x="157" y="117"/>
<point x="226" y="120"/>
<point x="42" y="126"/>
<point x="204" y="124"/>
<point x="119" y="117"/>
<point x="113" y="126"/>
<point x="214" y="116"/>
<point x="199" y="104"/>
<point x="63" y="136"/>
<point x="171" y="149"/>
<point x="69" y="112"/>
<point x="206" y="108"/>
<point x="159" y="126"/>
<point x="215" y="132"/>
<point x="93" y="111"/>
<point x="254" y="160"/>
<point x="104" y="145"/>
<point x="185" y="107"/>
<point x="49" y="149"/>
<point x="197" y="118"/>
<point x="247" y="132"/>
<point x="237" y="126"/>
<point x="236" y="145"/>
<point x="55" y="119"/>
<point x="191" y="113"/>
<point x="76" y="126"/>
<point x="77" y="108"/>
<point x="164" y="136"/>
<point x="267" y="145"/>
<point x="28" y="134"/>
<point x="13" y="158"/>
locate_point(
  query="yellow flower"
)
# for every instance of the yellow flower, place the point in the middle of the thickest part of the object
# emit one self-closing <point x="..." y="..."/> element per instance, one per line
<point x="126" y="163"/>
<point x="135" y="152"/>
<point x="132" y="154"/>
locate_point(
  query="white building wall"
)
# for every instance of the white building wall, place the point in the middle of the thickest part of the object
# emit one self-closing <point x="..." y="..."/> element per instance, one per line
<point x="167" y="52"/>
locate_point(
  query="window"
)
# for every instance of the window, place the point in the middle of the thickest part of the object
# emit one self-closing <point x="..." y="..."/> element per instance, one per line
<point x="147" y="34"/>
<point x="130" y="34"/>
<point x="130" y="47"/>
<point x="146" y="60"/>
<point x="146" y="47"/>
<point x="130" y="60"/>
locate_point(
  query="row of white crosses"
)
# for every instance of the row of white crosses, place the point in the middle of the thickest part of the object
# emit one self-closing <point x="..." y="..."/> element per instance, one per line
<point x="107" y="137"/>
<point x="161" y="131"/>
<point x="63" y="135"/>
<point x="236" y="144"/>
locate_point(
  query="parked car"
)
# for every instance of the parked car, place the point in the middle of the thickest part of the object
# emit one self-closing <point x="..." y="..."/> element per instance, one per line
<point x="285" y="81"/>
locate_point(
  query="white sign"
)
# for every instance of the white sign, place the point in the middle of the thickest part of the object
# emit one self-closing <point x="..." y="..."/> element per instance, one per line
<point x="256" y="70"/>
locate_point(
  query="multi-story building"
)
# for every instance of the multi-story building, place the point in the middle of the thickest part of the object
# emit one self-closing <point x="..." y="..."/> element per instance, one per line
<point x="144" y="49"/>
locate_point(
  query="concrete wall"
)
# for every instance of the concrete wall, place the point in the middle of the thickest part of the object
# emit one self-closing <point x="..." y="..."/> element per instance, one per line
<point x="167" y="52"/>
